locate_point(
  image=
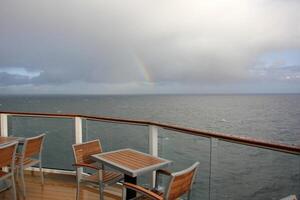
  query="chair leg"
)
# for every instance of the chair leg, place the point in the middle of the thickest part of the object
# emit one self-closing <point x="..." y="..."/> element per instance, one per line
<point x="23" y="181"/>
<point x="16" y="174"/>
<point x="189" y="195"/>
<point x="13" y="184"/>
<point x="41" y="173"/>
<point x="78" y="187"/>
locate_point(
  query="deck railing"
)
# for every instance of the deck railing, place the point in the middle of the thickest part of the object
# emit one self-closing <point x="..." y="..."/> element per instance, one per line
<point x="153" y="127"/>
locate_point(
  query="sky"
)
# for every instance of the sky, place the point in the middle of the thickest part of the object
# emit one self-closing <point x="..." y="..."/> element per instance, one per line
<point x="149" y="46"/>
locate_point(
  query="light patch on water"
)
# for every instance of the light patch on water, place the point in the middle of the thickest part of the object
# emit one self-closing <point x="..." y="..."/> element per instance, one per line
<point x="223" y="120"/>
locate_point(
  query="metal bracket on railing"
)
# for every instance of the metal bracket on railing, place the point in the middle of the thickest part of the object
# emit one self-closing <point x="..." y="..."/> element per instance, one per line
<point x="153" y="147"/>
<point x="3" y="125"/>
<point x="213" y="167"/>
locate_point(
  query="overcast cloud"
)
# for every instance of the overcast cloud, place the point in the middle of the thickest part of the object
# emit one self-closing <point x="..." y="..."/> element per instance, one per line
<point x="146" y="46"/>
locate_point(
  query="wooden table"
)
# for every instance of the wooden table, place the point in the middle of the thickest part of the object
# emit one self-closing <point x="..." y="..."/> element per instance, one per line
<point x="3" y="141"/>
<point x="132" y="163"/>
<point x="6" y="140"/>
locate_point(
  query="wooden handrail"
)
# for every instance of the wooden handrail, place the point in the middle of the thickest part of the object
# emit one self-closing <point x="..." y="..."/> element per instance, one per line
<point x="249" y="141"/>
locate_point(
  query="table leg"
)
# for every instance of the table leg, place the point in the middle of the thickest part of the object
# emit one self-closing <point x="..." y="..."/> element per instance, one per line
<point x="130" y="193"/>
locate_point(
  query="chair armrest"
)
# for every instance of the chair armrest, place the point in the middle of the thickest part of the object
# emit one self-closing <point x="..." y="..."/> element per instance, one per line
<point x="142" y="190"/>
<point x="85" y="165"/>
<point x="164" y="172"/>
<point x="161" y="172"/>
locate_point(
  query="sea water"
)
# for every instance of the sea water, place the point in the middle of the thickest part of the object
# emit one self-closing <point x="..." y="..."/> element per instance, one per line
<point x="237" y="171"/>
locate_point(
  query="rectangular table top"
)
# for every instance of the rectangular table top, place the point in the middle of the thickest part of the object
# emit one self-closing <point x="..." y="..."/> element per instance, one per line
<point x="131" y="162"/>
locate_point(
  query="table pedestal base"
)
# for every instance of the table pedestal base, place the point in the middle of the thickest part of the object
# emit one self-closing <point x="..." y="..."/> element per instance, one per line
<point x="130" y="193"/>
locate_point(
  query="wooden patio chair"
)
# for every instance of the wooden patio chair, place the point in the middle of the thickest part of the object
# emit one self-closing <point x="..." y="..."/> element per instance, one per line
<point x="82" y="154"/>
<point x="31" y="155"/>
<point x="7" y="159"/>
<point x="180" y="183"/>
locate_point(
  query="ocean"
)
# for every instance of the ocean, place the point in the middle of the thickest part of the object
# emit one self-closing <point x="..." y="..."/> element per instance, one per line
<point x="238" y="172"/>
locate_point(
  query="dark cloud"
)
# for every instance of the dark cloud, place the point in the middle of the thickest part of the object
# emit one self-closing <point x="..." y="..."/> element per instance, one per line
<point x="9" y="79"/>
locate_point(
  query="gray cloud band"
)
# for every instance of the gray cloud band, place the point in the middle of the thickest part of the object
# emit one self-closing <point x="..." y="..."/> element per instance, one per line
<point x="113" y="42"/>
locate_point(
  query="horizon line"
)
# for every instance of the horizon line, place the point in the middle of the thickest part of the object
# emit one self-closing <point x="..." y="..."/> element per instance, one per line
<point x="140" y="94"/>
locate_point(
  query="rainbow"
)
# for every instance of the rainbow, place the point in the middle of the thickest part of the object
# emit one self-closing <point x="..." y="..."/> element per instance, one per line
<point x="142" y="68"/>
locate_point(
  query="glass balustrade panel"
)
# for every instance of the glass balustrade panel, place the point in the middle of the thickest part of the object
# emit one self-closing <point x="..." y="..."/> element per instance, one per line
<point x="115" y="136"/>
<point x="245" y="172"/>
<point x="57" y="149"/>
<point x="184" y="150"/>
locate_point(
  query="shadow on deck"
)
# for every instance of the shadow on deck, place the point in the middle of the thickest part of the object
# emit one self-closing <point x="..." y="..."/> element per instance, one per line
<point x="59" y="187"/>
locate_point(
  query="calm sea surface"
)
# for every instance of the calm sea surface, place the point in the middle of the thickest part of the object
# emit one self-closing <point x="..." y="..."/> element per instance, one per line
<point x="238" y="172"/>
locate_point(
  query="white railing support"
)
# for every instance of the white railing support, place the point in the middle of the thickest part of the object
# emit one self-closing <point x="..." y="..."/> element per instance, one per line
<point x="78" y="130"/>
<point x="153" y="140"/>
<point x="153" y="147"/>
<point x="3" y="125"/>
<point x="213" y="167"/>
<point x="78" y="138"/>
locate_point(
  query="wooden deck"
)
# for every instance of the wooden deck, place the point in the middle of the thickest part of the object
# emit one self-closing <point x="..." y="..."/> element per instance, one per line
<point x="59" y="187"/>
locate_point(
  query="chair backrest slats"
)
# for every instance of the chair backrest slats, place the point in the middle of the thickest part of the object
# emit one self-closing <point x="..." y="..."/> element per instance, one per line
<point x="7" y="154"/>
<point x="83" y="151"/>
<point x="181" y="182"/>
<point x="33" y="146"/>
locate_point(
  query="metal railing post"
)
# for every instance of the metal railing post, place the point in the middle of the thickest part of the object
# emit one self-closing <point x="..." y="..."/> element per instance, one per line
<point x="153" y="147"/>
<point x="3" y="125"/>
<point x="78" y="138"/>
<point x="213" y="167"/>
